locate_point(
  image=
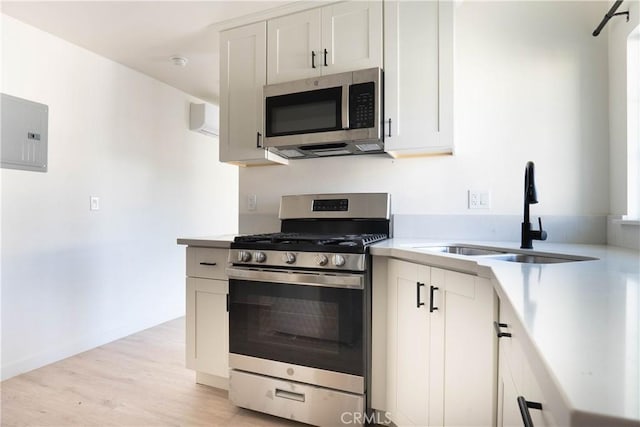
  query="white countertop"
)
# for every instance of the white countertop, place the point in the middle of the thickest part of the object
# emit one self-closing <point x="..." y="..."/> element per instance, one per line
<point x="582" y="317"/>
<point x="208" y="241"/>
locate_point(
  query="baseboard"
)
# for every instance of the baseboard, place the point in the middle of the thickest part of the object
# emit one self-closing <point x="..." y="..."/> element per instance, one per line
<point x="212" y="380"/>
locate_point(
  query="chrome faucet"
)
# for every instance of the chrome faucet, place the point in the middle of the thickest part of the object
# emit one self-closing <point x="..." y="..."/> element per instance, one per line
<point x="530" y="197"/>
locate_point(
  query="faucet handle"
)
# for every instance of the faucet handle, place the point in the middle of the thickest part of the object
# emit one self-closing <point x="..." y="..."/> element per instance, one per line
<point x="543" y="234"/>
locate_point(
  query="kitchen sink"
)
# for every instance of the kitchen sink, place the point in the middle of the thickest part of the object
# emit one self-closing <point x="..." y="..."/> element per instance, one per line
<point x="462" y="250"/>
<point x="538" y="259"/>
<point x="505" y="254"/>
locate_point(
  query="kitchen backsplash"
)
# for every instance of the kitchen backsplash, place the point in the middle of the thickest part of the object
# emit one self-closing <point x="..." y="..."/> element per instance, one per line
<point x="565" y="229"/>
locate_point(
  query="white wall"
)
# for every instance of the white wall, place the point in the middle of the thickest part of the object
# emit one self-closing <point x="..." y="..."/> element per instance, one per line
<point x="71" y="278"/>
<point x="530" y="84"/>
<point x="618" y="30"/>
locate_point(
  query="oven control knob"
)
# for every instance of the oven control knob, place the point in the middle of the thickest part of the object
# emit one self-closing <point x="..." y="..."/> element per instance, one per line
<point x="260" y="257"/>
<point x="244" y="256"/>
<point x="289" y="257"/>
<point x="338" y="260"/>
<point x="321" y="259"/>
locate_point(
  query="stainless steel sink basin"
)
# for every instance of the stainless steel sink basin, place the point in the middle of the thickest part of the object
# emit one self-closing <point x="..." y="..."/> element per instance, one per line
<point x="505" y="254"/>
<point x="538" y="259"/>
<point x="462" y="250"/>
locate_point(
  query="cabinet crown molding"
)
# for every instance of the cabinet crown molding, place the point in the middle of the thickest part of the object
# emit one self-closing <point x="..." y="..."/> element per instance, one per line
<point x="276" y="12"/>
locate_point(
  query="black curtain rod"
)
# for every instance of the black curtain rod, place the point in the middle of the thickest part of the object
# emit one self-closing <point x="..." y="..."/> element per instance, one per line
<point x="609" y="15"/>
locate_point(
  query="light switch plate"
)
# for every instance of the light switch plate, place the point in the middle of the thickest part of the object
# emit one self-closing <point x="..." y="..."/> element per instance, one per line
<point x="252" y="202"/>
<point x="94" y="203"/>
<point x="479" y="199"/>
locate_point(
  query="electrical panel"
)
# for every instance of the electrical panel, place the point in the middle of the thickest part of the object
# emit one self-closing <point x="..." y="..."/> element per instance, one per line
<point x="24" y="132"/>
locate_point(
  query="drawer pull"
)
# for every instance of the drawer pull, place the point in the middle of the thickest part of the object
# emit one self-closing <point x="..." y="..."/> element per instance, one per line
<point x="289" y="395"/>
<point x="432" y="308"/>
<point x="211" y="264"/>
<point x="524" y="406"/>
<point x="499" y="333"/>
<point x="418" y="286"/>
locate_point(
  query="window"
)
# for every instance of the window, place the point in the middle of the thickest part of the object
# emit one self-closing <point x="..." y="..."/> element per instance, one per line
<point x="633" y="125"/>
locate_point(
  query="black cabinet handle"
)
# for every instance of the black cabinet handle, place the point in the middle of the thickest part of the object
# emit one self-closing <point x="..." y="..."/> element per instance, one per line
<point x="418" y="286"/>
<point x="258" y="135"/>
<point x="389" y="128"/>
<point x="432" y="308"/>
<point x="524" y="406"/>
<point x="209" y="263"/>
<point x="499" y="333"/>
<point x="325" y="57"/>
<point x="313" y="59"/>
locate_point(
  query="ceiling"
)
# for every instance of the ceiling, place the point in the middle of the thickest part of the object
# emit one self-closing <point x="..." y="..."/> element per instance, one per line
<point x="143" y="35"/>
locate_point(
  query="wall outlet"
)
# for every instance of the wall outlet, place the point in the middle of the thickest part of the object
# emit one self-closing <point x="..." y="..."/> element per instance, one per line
<point x="94" y="203"/>
<point x="252" y="202"/>
<point x="479" y="199"/>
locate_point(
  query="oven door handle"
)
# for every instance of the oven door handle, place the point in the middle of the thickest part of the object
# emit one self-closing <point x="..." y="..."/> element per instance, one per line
<point x="293" y="277"/>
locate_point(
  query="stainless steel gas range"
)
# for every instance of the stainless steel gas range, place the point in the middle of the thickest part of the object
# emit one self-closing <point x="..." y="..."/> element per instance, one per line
<point x="300" y="309"/>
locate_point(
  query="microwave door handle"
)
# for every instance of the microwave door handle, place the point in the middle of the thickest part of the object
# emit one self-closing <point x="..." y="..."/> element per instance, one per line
<point x="345" y="107"/>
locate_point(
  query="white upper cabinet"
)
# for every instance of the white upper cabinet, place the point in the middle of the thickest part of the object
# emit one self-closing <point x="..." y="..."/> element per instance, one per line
<point x="332" y="39"/>
<point x="243" y="72"/>
<point x="293" y="46"/>
<point x="352" y="36"/>
<point x="418" y="66"/>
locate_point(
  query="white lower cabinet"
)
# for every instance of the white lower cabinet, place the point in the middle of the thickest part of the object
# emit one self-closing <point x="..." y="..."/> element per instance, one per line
<point x="441" y="348"/>
<point x="517" y="381"/>
<point x="207" y="318"/>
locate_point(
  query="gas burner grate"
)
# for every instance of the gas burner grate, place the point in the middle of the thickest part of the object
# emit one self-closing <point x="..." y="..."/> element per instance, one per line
<point x="314" y="239"/>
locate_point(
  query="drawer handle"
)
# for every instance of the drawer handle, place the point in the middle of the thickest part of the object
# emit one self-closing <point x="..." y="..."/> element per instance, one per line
<point x="432" y="308"/>
<point x="299" y="397"/>
<point x="499" y="333"/>
<point x="418" y="286"/>
<point x="209" y="263"/>
<point x="524" y="410"/>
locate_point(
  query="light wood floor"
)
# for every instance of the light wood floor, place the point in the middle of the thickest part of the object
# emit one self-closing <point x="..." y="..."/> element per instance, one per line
<point x="139" y="380"/>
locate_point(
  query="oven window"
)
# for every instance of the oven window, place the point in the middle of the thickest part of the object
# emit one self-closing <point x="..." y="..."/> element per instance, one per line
<point x="305" y="325"/>
<point x="304" y="112"/>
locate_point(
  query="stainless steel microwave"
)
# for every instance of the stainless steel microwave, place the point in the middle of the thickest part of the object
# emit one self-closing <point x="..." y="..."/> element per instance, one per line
<point x="332" y="115"/>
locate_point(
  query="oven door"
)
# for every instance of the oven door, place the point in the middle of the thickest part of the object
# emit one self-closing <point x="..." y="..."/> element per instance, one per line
<point x="273" y="316"/>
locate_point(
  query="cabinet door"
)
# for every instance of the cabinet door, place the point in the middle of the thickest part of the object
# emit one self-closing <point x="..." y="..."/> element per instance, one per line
<point x="408" y="364"/>
<point x="515" y="370"/>
<point x="351" y="36"/>
<point x="207" y="326"/>
<point x="418" y="67"/>
<point x="463" y="350"/>
<point x="243" y="53"/>
<point x="508" y="414"/>
<point x="293" y="40"/>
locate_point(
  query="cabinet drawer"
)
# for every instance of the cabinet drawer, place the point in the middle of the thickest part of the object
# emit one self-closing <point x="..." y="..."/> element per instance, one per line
<point x="208" y="263"/>
<point x="297" y="401"/>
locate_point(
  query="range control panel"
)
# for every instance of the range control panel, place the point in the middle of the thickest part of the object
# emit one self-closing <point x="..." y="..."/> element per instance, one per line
<point x="330" y="205"/>
<point x="309" y="260"/>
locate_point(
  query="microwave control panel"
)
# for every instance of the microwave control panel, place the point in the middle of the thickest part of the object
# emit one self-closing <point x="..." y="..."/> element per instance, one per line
<point x="362" y="105"/>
